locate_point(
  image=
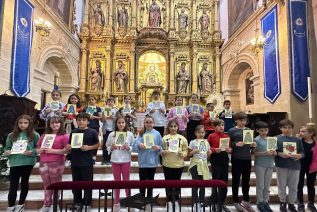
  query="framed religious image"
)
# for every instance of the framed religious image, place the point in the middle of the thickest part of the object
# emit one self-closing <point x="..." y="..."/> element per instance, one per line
<point x="195" y="108"/>
<point x="54" y="106"/>
<point x="126" y="109"/>
<point x="107" y="112"/>
<point x="148" y="140"/>
<point x="202" y="146"/>
<point x="63" y="9"/>
<point x="289" y="148"/>
<point x="224" y="143"/>
<point x="249" y="91"/>
<point x="179" y="111"/>
<point x="173" y="145"/>
<point x="247" y="136"/>
<point x="77" y="140"/>
<point x="228" y="114"/>
<point x="71" y="108"/>
<point x="19" y="147"/>
<point x="271" y="143"/>
<point x="239" y="11"/>
<point x="91" y="110"/>
<point x="119" y="139"/>
<point x="48" y="141"/>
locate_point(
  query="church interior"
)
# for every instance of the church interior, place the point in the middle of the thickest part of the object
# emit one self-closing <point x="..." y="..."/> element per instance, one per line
<point x="258" y="54"/>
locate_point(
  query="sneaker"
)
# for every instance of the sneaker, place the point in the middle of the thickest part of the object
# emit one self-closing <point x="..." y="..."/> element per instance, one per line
<point x="311" y="207"/>
<point x="225" y="208"/>
<point x="176" y="206"/>
<point x="238" y="206"/>
<point x="283" y="207"/>
<point x="170" y="206"/>
<point x="267" y="207"/>
<point x="11" y="209"/>
<point x="292" y="208"/>
<point x="87" y="208"/>
<point x="247" y="206"/>
<point x="19" y="208"/>
<point x="301" y="207"/>
<point x="116" y="207"/>
<point x="45" y="208"/>
<point x="261" y="206"/>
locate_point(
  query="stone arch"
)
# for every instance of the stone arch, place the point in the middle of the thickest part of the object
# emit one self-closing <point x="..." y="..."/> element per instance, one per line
<point x="244" y="58"/>
<point x="56" y="53"/>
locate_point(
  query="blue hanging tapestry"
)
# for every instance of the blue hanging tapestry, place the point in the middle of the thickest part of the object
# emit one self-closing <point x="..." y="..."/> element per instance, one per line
<point x="21" y="47"/>
<point x="299" y="63"/>
<point x="271" y="61"/>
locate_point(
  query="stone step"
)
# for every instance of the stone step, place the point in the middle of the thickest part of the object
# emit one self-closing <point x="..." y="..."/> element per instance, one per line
<point x="101" y="169"/>
<point x="36" y="180"/>
<point x="35" y="197"/>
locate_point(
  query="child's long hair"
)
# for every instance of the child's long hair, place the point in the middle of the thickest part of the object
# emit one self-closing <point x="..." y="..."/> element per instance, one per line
<point x="170" y="122"/>
<point x="78" y="103"/>
<point x="144" y="129"/>
<point x="116" y="125"/>
<point x="54" y="119"/>
<point x="29" y="131"/>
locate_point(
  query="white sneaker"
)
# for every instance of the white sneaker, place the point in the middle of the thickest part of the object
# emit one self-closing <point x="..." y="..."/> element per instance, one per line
<point x="11" y="209"/>
<point x="19" y="208"/>
<point x="170" y="206"/>
<point x="86" y="208"/>
<point x="45" y="209"/>
<point x="116" y="207"/>
<point x="176" y="206"/>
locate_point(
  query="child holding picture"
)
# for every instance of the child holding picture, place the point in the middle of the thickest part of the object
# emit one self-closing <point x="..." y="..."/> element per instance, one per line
<point x="227" y="115"/>
<point x="220" y="146"/>
<point x="198" y="167"/>
<point x="53" y="108"/>
<point x="289" y="152"/>
<point x="209" y="117"/>
<point x="129" y="113"/>
<point x="175" y="149"/>
<point x="119" y="144"/>
<point x="52" y="159"/>
<point x="70" y="111"/>
<point x="148" y="146"/>
<point x="20" y="148"/>
<point x="179" y="114"/>
<point x="264" y="164"/>
<point x="83" y="141"/>
<point x="195" y="116"/>
<point x="241" y="160"/>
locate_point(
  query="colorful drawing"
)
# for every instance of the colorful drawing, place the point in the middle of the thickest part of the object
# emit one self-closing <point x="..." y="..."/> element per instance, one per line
<point x="173" y="145"/>
<point x="195" y="108"/>
<point x="224" y="143"/>
<point x="179" y="111"/>
<point x="91" y="110"/>
<point x="120" y="138"/>
<point x="54" y="106"/>
<point x="107" y="112"/>
<point x="202" y="146"/>
<point x="228" y="114"/>
<point x="19" y="147"/>
<point x="71" y="108"/>
<point x="289" y="148"/>
<point x="148" y="140"/>
<point x="48" y="141"/>
<point x="271" y="143"/>
<point x="126" y="109"/>
<point x="247" y="136"/>
<point x="77" y="140"/>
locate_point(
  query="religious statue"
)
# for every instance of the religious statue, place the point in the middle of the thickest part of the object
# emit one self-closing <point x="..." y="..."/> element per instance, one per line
<point x="182" y="19"/>
<point x="154" y="15"/>
<point x="151" y="77"/>
<point x="96" y="77"/>
<point x="182" y="78"/>
<point x="204" y="21"/>
<point x="123" y="17"/>
<point x="205" y="79"/>
<point x="99" y="16"/>
<point x="120" y="78"/>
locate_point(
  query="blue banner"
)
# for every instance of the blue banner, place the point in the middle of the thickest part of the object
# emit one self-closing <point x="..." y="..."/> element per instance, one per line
<point x="299" y="63"/>
<point x="21" y="47"/>
<point x="271" y="61"/>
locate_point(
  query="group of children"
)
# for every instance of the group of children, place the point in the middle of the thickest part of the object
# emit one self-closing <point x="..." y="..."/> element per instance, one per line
<point x="173" y="147"/>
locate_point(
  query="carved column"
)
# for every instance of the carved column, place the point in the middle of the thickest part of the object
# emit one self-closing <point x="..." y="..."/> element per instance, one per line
<point x="194" y="72"/>
<point x="132" y="68"/>
<point x="84" y="64"/>
<point x="194" y="15"/>
<point x="216" y="4"/>
<point x="134" y="13"/>
<point x="218" y="71"/>
<point x="172" y="13"/>
<point x="172" y="82"/>
<point x="108" y="71"/>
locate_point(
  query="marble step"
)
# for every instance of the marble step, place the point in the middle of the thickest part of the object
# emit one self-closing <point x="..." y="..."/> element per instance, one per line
<point x="36" y="180"/>
<point x="100" y="169"/>
<point x="35" y="197"/>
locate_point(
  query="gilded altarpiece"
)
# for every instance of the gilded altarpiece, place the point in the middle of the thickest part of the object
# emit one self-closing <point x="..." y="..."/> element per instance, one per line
<point x="136" y="46"/>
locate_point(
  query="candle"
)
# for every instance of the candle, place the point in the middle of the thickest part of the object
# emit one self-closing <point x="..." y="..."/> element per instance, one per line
<point x="310" y="112"/>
